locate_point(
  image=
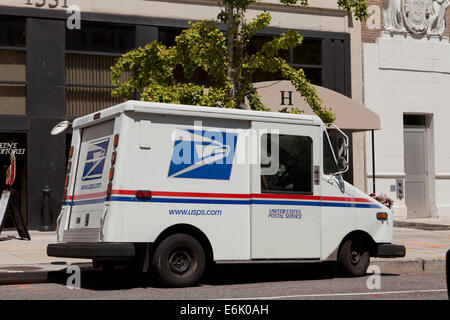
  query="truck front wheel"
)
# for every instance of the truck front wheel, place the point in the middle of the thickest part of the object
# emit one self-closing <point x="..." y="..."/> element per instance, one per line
<point x="179" y="261"/>
<point x="353" y="258"/>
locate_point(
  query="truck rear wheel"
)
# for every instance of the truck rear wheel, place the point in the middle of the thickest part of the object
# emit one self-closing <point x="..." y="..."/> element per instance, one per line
<point x="179" y="261"/>
<point x="353" y="258"/>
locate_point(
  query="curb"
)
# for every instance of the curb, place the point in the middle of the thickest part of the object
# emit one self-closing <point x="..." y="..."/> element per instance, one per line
<point x="409" y="266"/>
<point x="434" y="266"/>
<point x="44" y="275"/>
<point x="10" y="278"/>
<point x="421" y="226"/>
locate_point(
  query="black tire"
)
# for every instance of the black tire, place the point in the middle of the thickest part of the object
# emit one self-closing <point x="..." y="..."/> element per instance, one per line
<point x="179" y="261"/>
<point x="353" y="258"/>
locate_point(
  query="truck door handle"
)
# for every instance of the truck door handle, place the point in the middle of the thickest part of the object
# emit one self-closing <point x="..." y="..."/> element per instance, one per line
<point x="316" y="175"/>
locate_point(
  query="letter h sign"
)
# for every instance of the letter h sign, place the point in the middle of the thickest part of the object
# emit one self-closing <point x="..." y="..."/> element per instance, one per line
<point x="284" y="98"/>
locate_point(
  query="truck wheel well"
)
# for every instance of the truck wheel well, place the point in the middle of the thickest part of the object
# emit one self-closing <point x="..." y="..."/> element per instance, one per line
<point x="192" y="231"/>
<point x="361" y="236"/>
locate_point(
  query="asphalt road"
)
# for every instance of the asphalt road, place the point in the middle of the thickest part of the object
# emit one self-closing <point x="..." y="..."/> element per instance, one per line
<point x="240" y="282"/>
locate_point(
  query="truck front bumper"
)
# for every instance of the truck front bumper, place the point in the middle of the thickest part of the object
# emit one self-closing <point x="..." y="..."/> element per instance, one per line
<point x="97" y="251"/>
<point x="388" y="250"/>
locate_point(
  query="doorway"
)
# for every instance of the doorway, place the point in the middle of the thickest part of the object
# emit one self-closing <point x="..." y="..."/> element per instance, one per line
<point x="15" y="143"/>
<point x="416" y="162"/>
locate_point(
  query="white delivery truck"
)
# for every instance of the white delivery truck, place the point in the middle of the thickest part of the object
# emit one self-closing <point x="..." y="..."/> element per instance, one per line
<point x="176" y="188"/>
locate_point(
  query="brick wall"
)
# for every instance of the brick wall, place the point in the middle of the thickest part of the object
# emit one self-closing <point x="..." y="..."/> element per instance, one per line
<point x="372" y="27"/>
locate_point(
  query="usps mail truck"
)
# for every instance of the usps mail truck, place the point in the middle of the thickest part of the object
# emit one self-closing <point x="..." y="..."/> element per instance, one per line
<point x="176" y="188"/>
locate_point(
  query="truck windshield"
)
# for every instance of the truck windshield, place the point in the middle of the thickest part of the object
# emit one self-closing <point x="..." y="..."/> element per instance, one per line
<point x="329" y="161"/>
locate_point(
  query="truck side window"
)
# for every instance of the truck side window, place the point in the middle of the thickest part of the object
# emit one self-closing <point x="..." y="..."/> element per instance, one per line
<point x="329" y="163"/>
<point x="295" y="167"/>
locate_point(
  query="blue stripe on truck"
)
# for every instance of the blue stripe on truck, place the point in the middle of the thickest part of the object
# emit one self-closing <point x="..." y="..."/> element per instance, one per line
<point x="233" y="202"/>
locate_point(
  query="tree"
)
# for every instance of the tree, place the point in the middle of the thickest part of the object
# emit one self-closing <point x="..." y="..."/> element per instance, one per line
<point x="224" y="57"/>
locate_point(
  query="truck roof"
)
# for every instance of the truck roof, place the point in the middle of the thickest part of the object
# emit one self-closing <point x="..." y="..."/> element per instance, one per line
<point x="195" y="111"/>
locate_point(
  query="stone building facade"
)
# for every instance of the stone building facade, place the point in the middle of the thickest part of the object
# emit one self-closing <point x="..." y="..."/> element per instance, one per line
<point x="406" y="70"/>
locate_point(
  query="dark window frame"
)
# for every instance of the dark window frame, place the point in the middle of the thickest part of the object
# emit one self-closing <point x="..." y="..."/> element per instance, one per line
<point x="13" y="47"/>
<point x="170" y="33"/>
<point x="13" y="82"/>
<point x="120" y="32"/>
<point x="83" y="40"/>
<point x="336" y="66"/>
<point x="16" y="46"/>
<point x="289" y="57"/>
<point x="311" y="184"/>
<point x="414" y="120"/>
<point x="16" y="24"/>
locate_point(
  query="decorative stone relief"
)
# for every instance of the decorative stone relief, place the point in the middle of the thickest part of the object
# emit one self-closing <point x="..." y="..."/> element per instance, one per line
<point x="419" y="17"/>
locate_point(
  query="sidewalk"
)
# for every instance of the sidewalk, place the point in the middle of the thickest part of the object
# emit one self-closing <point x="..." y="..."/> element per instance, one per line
<point x="23" y="261"/>
<point x="426" y="241"/>
<point x="442" y="223"/>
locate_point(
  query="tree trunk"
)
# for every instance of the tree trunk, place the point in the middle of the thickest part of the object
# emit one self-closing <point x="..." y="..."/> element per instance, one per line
<point x="240" y="95"/>
<point x="230" y="44"/>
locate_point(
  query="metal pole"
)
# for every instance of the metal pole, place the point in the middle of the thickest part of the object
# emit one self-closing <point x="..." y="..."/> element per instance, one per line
<point x="373" y="161"/>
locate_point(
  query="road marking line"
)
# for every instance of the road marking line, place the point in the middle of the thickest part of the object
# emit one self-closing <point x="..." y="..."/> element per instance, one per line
<point x="339" y="294"/>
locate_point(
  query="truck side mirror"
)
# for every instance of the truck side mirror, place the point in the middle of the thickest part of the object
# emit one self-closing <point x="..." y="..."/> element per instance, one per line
<point x="342" y="155"/>
<point x="342" y="151"/>
<point x="343" y="147"/>
<point x="342" y="164"/>
<point x="60" y="128"/>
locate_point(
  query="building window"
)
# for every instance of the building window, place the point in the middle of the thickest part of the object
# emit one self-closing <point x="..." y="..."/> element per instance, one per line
<point x="295" y="167"/>
<point x="307" y="56"/>
<point x="12" y="65"/>
<point x="88" y="83"/>
<point x="309" y="53"/>
<point x="167" y="36"/>
<point x="90" y="53"/>
<point x="101" y="37"/>
<point x="414" y="120"/>
<point x="12" y="31"/>
<point x="257" y="43"/>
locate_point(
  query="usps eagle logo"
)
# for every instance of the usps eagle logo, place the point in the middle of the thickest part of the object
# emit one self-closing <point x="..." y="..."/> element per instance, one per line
<point x="95" y="160"/>
<point x="202" y="154"/>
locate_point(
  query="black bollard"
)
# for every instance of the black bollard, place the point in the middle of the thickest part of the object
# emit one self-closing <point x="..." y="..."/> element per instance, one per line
<point x="46" y="213"/>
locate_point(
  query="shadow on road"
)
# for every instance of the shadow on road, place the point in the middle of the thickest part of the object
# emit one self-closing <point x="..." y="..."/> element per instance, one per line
<point x="253" y="273"/>
<point x="97" y="279"/>
<point x="231" y="274"/>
